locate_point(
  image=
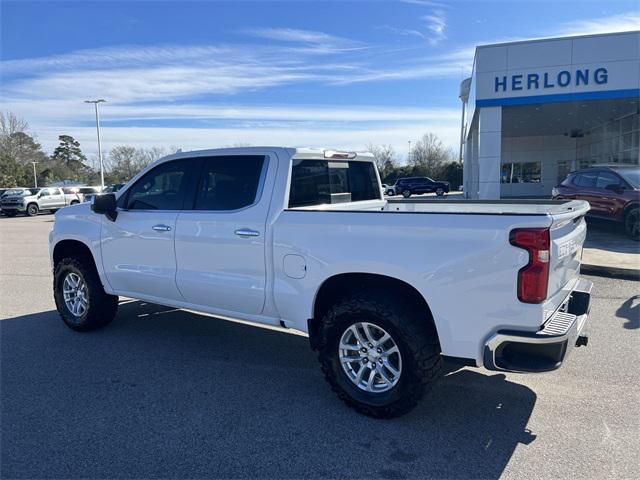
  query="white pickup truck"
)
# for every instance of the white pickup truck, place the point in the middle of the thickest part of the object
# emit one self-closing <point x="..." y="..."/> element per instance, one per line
<point x="32" y="201"/>
<point x="304" y="239"/>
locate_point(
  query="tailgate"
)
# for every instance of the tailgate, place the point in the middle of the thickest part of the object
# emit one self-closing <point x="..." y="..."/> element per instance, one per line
<point x="568" y="232"/>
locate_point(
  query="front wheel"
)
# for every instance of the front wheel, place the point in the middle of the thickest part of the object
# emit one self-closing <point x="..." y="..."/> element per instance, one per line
<point x="439" y="191"/>
<point x="32" y="210"/>
<point x="80" y="299"/>
<point x="377" y="354"/>
<point x="406" y="193"/>
<point x="632" y="223"/>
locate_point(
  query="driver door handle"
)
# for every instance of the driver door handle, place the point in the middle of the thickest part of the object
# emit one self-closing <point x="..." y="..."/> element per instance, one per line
<point x="245" y="232"/>
<point x="162" y="228"/>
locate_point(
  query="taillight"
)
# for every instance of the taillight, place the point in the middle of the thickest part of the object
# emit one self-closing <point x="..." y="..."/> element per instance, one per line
<point x="533" y="278"/>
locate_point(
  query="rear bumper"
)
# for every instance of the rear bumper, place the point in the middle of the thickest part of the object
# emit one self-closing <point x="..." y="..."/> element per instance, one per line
<point x="546" y="349"/>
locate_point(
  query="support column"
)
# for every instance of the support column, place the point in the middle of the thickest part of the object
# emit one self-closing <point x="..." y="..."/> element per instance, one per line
<point x="489" y="152"/>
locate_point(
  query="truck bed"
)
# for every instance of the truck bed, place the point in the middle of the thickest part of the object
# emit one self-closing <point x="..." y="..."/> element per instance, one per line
<point x="557" y="209"/>
<point x="486" y="207"/>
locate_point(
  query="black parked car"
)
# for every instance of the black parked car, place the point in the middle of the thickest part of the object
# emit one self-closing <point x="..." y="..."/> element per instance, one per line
<point x="417" y="185"/>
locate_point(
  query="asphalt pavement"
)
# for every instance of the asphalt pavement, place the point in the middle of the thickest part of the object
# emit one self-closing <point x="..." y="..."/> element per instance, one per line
<point x="162" y="393"/>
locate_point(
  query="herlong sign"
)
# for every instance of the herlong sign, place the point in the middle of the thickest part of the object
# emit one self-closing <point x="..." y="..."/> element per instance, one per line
<point x="542" y="80"/>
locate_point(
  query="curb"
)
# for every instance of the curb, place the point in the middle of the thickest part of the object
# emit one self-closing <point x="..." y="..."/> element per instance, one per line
<point x="607" y="271"/>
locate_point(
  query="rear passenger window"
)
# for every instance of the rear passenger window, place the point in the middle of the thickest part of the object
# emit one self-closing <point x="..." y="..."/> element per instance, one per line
<point x="587" y="180"/>
<point x="317" y="182"/>
<point x="229" y="183"/>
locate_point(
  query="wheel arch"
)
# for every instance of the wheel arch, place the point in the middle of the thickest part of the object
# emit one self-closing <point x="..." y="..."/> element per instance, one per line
<point x="71" y="247"/>
<point x="628" y="208"/>
<point x="338" y="286"/>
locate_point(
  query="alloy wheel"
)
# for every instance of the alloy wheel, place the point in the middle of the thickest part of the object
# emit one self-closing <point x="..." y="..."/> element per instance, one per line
<point x="74" y="290"/>
<point x="370" y="357"/>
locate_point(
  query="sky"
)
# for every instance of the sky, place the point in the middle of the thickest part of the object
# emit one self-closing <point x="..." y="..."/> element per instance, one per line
<point x="209" y="74"/>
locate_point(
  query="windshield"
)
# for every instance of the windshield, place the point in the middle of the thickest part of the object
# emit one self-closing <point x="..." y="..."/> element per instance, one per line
<point x="19" y="192"/>
<point x="113" y="188"/>
<point x="631" y="175"/>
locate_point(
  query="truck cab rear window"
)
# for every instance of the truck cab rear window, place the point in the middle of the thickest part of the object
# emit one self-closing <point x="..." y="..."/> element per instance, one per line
<point x="318" y="182"/>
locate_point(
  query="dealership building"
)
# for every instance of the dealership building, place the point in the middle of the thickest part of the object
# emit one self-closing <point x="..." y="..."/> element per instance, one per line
<point x="535" y="110"/>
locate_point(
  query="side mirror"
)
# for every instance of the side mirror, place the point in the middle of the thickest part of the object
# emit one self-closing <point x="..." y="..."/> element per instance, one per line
<point x="105" y="205"/>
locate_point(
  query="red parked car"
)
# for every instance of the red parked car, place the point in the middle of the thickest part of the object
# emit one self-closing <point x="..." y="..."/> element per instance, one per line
<point x="613" y="192"/>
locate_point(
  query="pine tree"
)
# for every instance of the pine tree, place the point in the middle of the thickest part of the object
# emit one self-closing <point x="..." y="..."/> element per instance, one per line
<point x="69" y="152"/>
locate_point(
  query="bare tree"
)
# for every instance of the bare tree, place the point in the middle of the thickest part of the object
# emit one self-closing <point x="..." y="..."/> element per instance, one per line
<point x="12" y="132"/>
<point x="125" y="161"/>
<point x="384" y="157"/>
<point x="429" y="154"/>
<point x="10" y="123"/>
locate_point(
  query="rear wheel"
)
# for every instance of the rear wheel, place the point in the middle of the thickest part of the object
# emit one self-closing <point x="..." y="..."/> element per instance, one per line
<point x="377" y="354"/>
<point x="406" y="193"/>
<point x="632" y="223"/>
<point x="32" y="209"/>
<point x="80" y="299"/>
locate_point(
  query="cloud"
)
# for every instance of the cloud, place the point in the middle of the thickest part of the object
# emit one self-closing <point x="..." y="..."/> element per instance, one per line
<point x="191" y="96"/>
<point x="436" y="24"/>
<point x="324" y="41"/>
<point x="426" y="3"/>
<point x="353" y="138"/>
<point x="623" y="22"/>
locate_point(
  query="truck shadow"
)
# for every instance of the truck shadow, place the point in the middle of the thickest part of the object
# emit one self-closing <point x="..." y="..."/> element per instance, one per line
<point x="165" y="393"/>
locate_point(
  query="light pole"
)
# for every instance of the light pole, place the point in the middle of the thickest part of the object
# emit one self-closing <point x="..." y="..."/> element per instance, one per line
<point x="96" y="102"/>
<point x="35" y="177"/>
<point x="409" y="154"/>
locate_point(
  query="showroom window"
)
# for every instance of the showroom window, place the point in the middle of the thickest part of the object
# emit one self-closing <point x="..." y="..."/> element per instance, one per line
<point x="527" y="172"/>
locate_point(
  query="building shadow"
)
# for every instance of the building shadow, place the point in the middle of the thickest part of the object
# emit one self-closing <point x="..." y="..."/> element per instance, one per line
<point x="164" y="393"/>
<point x="630" y="311"/>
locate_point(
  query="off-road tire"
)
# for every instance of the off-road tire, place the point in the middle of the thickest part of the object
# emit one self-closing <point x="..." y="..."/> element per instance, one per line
<point x="414" y="334"/>
<point x="406" y="193"/>
<point x="631" y="220"/>
<point x="102" y="307"/>
<point x="32" y="210"/>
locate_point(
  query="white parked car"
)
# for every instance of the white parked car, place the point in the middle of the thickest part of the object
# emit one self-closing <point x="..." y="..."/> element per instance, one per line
<point x="292" y="237"/>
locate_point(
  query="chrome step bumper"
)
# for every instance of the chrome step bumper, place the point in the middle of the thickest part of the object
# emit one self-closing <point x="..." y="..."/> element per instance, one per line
<point x="546" y="349"/>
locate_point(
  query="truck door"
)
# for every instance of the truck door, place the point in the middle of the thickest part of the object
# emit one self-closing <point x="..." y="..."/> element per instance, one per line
<point x="57" y="198"/>
<point x="48" y="200"/>
<point x="220" y="241"/>
<point x="138" y="251"/>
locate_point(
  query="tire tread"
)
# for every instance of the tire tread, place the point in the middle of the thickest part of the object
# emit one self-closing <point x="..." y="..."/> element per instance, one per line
<point x="416" y="332"/>
<point x="102" y="307"/>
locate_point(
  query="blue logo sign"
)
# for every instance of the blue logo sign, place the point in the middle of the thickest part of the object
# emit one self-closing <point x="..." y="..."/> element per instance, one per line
<point x="564" y="78"/>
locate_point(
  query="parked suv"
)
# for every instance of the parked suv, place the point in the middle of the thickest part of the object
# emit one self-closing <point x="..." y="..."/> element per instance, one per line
<point x="418" y="185"/>
<point x="613" y="192"/>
